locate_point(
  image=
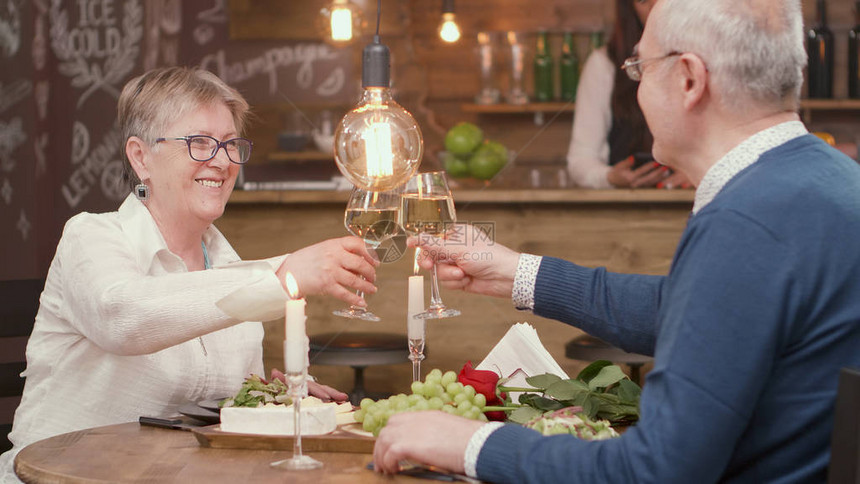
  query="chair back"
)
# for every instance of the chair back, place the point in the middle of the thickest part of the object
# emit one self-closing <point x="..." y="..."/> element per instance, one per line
<point x="845" y="440"/>
<point x="19" y="302"/>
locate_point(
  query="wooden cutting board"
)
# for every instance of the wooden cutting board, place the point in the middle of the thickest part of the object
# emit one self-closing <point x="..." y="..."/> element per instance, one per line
<point x="341" y="440"/>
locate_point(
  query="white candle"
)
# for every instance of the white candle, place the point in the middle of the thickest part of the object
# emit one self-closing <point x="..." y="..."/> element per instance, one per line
<point x="295" y="347"/>
<point x="415" y="303"/>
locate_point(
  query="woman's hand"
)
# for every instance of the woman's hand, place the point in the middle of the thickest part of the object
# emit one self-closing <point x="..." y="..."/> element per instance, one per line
<point x="623" y="175"/>
<point x="675" y="180"/>
<point x="335" y="267"/>
<point x="323" y="392"/>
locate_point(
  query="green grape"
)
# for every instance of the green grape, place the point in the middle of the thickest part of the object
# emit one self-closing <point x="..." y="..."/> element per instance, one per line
<point x="448" y="378"/>
<point x="446" y="398"/>
<point x="365" y="402"/>
<point x="464" y="406"/>
<point x="415" y="398"/>
<point x="436" y="403"/>
<point x="359" y="415"/>
<point x="460" y="397"/>
<point x="473" y="413"/>
<point x="449" y="409"/>
<point x="469" y="390"/>
<point x="370" y="423"/>
<point x="436" y="373"/>
<point x="454" y="388"/>
<point x="422" y="405"/>
<point x="480" y="400"/>
<point x="417" y="387"/>
<point x="483" y="418"/>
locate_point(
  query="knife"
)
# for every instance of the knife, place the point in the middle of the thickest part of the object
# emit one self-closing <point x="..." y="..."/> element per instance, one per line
<point x="166" y="423"/>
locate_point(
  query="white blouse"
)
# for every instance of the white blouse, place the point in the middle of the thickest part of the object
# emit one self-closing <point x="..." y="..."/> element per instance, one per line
<point x="588" y="155"/>
<point x="124" y="330"/>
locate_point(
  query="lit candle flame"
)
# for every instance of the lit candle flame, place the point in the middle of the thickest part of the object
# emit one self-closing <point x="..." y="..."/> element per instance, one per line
<point x="415" y="264"/>
<point x="292" y="286"/>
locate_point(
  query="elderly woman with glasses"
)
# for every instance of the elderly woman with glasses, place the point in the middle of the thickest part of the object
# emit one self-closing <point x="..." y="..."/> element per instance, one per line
<point x="149" y="307"/>
<point x="610" y="144"/>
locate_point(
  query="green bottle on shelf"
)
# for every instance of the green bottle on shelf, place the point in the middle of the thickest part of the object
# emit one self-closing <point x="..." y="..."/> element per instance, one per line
<point x="596" y="41"/>
<point x="568" y="68"/>
<point x="543" y="69"/>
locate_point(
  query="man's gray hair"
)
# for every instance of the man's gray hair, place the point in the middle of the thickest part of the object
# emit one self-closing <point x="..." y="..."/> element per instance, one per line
<point x="753" y="48"/>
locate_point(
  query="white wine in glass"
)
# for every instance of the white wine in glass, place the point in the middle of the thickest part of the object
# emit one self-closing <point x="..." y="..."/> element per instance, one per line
<point x="427" y="207"/>
<point x="374" y="217"/>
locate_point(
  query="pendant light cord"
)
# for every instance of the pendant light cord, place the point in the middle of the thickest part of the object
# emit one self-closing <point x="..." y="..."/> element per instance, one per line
<point x="378" y="15"/>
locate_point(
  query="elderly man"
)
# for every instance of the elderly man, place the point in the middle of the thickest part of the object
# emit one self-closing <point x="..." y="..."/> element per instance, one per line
<point x="761" y="307"/>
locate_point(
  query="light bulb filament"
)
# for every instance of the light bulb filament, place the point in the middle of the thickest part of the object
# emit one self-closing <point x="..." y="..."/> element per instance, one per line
<point x="378" y="149"/>
<point x="449" y="31"/>
<point x="341" y="24"/>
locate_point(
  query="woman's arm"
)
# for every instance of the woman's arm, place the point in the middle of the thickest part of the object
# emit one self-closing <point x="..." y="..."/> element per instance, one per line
<point x="588" y="155"/>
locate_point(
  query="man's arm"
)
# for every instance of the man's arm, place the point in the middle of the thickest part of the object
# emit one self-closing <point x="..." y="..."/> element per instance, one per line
<point x="620" y="309"/>
<point x="721" y="324"/>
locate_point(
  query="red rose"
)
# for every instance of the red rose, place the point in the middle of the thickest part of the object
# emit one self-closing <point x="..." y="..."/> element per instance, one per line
<point x="484" y="382"/>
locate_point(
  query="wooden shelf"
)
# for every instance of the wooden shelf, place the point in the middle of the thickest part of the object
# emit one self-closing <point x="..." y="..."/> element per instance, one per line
<point x="492" y="196"/>
<point x="517" y="108"/>
<point x="300" y="155"/>
<point x="504" y="108"/>
<point x="832" y="104"/>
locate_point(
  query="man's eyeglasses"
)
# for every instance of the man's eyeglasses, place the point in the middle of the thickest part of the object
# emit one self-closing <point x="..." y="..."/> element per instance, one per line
<point x="633" y="65"/>
<point x="204" y="148"/>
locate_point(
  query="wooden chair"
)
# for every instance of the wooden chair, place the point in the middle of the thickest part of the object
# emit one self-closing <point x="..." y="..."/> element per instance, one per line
<point x="19" y="301"/>
<point x="358" y="350"/>
<point x="588" y="348"/>
<point x="845" y="440"/>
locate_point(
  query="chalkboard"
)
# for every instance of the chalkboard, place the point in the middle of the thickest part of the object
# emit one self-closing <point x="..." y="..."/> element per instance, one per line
<point x="65" y="62"/>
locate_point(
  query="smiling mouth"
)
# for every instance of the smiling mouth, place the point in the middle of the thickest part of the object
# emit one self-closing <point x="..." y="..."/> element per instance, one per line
<point x="210" y="183"/>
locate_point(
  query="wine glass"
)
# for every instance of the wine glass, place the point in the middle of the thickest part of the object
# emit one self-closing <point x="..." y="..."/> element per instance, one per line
<point x="373" y="216"/>
<point x="428" y="208"/>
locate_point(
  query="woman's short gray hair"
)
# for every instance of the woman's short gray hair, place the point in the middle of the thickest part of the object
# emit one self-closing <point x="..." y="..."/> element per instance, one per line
<point x="753" y="48"/>
<point x="150" y="102"/>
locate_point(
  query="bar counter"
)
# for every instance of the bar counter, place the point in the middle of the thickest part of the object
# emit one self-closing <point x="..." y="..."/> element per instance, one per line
<point x="622" y="230"/>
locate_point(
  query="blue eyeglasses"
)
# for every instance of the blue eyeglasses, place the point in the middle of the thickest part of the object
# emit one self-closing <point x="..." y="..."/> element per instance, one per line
<point x="204" y="148"/>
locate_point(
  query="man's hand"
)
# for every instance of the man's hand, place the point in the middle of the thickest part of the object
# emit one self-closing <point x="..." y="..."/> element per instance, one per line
<point x="466" y="259"/>
<point x="431" y="437"/>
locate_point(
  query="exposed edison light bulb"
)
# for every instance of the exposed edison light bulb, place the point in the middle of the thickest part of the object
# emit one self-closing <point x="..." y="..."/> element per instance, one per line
<point x="449" y="31"/>
<point x="341" y="22"/>
<point x="378" y="144"/>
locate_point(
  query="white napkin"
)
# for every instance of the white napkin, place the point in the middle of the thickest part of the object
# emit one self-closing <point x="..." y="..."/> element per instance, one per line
<point x="519" y="355"/>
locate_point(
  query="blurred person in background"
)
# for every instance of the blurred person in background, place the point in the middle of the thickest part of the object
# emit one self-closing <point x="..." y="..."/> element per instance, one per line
<point x="610" y="144"/>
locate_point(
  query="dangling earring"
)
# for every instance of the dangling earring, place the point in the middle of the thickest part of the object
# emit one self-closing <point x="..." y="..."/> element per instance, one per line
<point x="141" y="191"/>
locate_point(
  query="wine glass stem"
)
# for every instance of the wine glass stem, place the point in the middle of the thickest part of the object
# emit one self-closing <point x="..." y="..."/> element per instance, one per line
<point x="353" y="306"/>
<point x="416" y="354"/>
<point x="435" y="298"/>
<point x="297" y="422"/>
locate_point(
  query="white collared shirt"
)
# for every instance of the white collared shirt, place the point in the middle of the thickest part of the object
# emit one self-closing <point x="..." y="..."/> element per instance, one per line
<point x="120" y="323"/>
<point x="742" y="156"/>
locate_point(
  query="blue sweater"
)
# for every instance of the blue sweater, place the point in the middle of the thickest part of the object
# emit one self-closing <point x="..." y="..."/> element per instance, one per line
<point x="760" y="310"/>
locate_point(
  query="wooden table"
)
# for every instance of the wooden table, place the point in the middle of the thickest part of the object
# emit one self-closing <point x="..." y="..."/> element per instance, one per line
<point x="130" y="452"/>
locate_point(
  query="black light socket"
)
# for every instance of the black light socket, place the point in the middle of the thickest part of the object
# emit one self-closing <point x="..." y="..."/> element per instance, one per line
<point x="376" y="65"/>
<point x="447" y="6"/>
